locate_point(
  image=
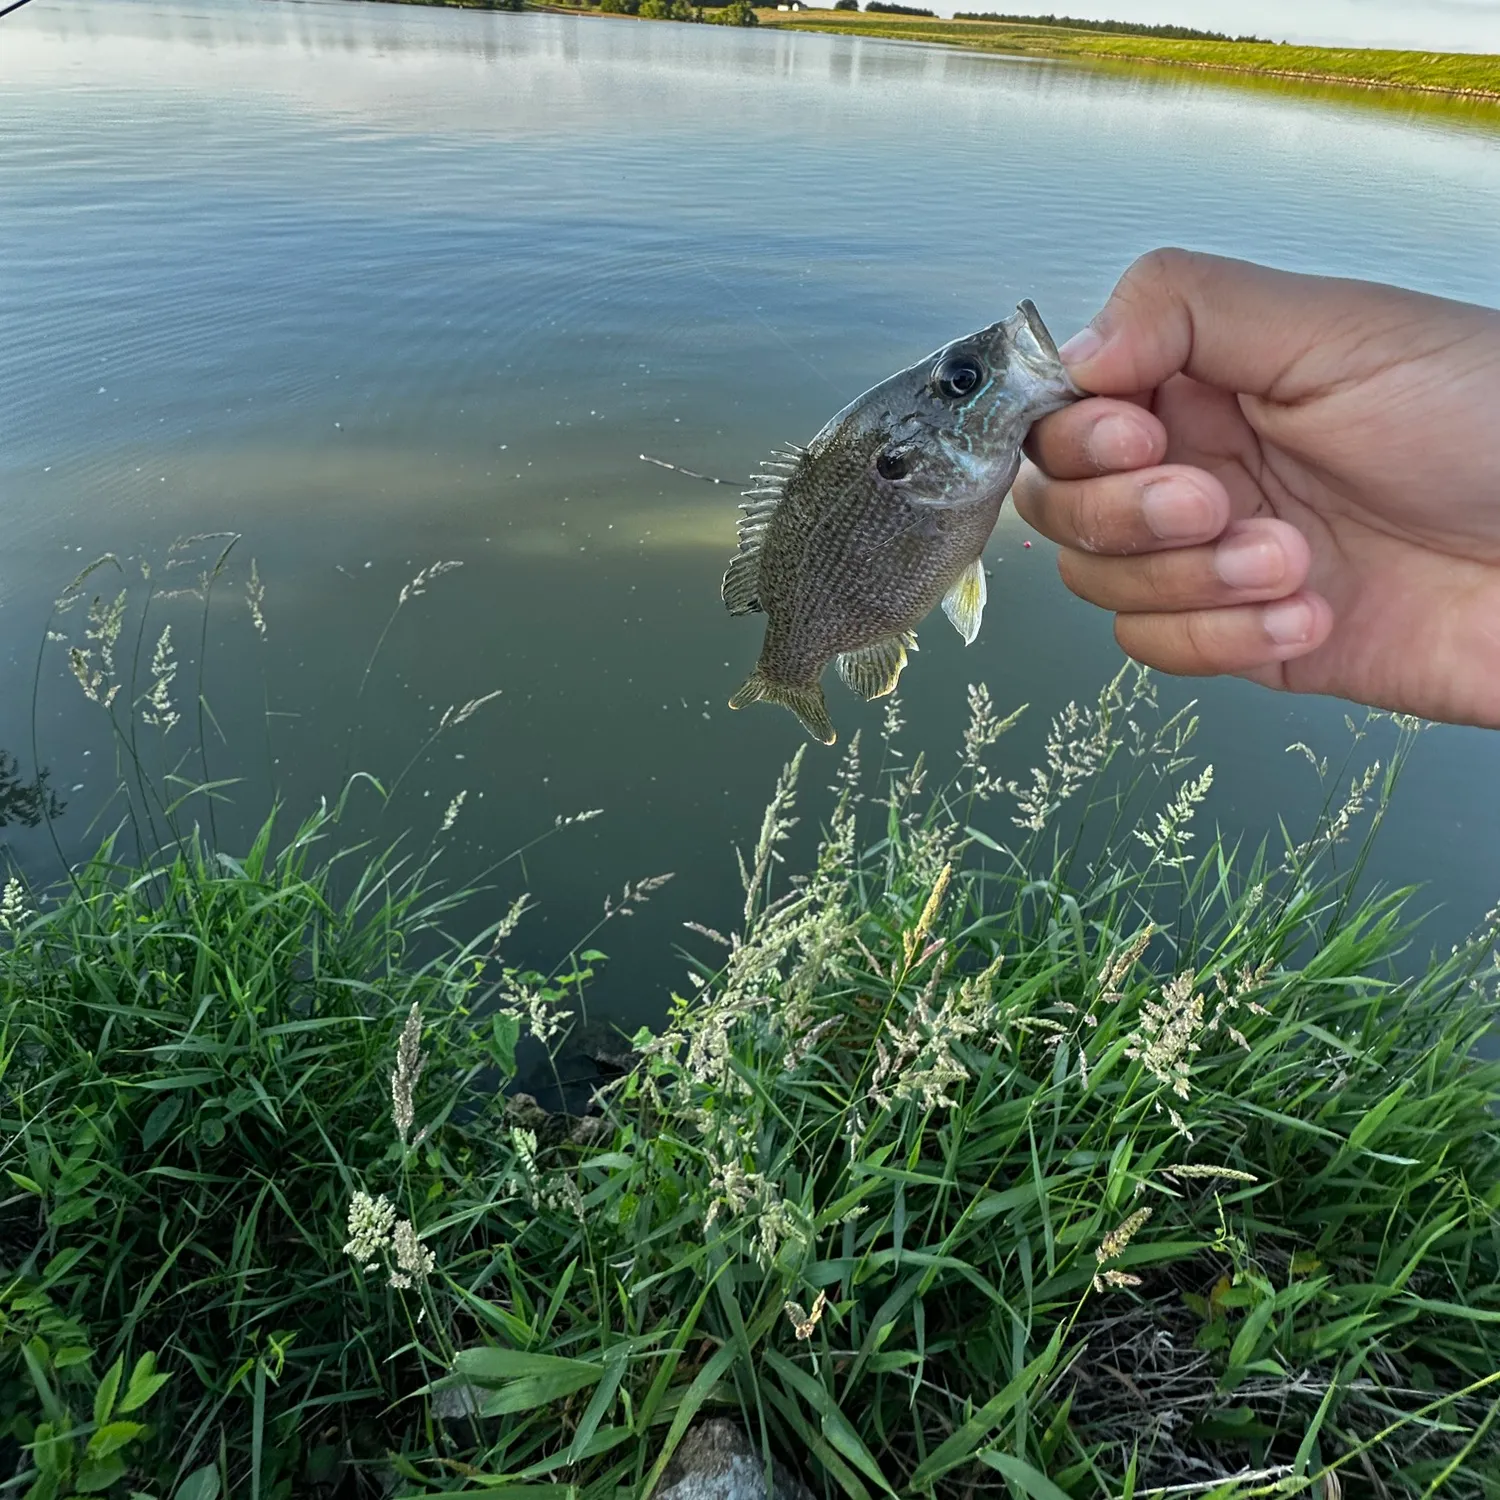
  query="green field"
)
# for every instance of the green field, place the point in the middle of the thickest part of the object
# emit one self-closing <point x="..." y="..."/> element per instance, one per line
<point x="1470" y="74"/>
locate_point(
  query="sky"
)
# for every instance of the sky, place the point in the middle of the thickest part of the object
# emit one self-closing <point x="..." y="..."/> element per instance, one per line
<point x="1442" y="25"/>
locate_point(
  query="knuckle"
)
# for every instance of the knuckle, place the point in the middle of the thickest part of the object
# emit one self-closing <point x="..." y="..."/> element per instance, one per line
<point x="1162" y="267"/>
<point x="1160" y="583"/>
<point x="1156" y="283"/>
<point x="1074" y="570"/>
<point x="1177" y="644"/>
<point x="1135" y="638"/>
<point x="1202" y="647"/>
<point x="1093" y="522"/>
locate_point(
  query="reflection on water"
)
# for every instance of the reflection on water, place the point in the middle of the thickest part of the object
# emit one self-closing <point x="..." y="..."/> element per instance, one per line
<point x="379" y="286"/>
<point x="25" y="796"/>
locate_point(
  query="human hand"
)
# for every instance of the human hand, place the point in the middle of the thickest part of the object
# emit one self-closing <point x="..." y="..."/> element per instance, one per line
<point x="1287" y="478"/>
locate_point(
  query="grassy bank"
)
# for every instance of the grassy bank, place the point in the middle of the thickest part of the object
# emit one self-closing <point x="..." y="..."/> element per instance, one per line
<point x="1032" y="1140"/>
<point x="1462" y="74"/>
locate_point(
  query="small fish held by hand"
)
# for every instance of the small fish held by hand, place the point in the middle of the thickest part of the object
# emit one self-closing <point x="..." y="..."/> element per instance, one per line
<point x="855" y="538"/>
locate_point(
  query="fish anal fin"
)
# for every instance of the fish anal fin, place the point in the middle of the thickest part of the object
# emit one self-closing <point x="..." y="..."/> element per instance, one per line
<point x="873" y="671"/>
<point x="741" y="588"/>
<point x="804" y="701"/>
<point x="964" y="602"/>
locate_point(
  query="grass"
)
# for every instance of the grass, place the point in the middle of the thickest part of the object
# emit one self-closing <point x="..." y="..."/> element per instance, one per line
<point x="1030" y="1141"/>
<point x="1471" y="74"/>
<point x="1462" y="75"/>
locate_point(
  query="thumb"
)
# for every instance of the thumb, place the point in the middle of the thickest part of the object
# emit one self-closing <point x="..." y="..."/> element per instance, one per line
<point x="1227" y="323"/>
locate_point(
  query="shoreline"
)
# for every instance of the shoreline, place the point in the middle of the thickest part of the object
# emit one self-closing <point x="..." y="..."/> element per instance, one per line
<point x="1029" y="40"/>
<point x="1438" y="90"/>
<point x="1084" y="47"/>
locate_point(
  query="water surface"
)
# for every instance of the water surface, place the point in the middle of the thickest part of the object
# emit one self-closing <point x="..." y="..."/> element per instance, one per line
<point x="380" y="286"/>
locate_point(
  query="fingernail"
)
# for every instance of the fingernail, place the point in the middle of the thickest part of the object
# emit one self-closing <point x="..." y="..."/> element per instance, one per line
<point x="1249" y="562"/>
<point x="1084" y="344"/>
<point x="1176" y="510"/>
<point x="1289" y="623"/>
<point x="1117" y="442"/>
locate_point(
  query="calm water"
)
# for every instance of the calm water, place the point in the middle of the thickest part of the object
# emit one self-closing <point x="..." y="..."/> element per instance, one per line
<point x="378" y="286"/>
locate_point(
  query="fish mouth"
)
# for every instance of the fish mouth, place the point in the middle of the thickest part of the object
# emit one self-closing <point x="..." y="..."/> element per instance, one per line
<point x="1037" y="350"/>
<point x="1026" y="309"/>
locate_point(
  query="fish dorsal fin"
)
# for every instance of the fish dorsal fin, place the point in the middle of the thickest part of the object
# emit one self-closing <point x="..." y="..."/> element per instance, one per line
<point x="964" y="602"/>
<point x="874" y="671"/>
<point x="804" y="701"/>
<point x="741" y="586"/>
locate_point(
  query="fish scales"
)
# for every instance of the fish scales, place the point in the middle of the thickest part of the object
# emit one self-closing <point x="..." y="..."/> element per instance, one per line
<point x="853" y="540"/>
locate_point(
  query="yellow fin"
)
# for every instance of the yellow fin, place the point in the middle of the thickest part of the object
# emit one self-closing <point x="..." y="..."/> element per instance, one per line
<point x="806" y="702"/>
<point x="964" y="602"/>
<point x="873" y="671"/>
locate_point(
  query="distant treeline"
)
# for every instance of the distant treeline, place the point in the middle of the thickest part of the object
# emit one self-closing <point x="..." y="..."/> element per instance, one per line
<point x="716" y="12"/>
<point x="1074" y="23"/>
<point x="885" y="9"/>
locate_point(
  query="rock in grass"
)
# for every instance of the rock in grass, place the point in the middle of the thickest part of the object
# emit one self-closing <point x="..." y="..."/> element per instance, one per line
<point x="716" y="1461"/>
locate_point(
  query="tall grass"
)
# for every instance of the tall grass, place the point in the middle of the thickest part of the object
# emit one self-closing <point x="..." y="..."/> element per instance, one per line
<point x="1034" y="1140"/>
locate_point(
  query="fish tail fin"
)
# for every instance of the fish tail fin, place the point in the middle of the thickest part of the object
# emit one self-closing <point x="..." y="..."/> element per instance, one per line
<point x="806" y="702"/>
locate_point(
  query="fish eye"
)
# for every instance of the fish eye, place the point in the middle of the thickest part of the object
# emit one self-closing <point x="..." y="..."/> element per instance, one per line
<point x="892" y="464"/>
<point x="958" y="375"/>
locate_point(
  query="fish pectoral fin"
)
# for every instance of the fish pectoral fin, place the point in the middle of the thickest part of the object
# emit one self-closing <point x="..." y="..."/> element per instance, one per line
<point x="741" y="588"/>
<point x="873" y="671"/>
<point x="806" y="702"/>
<point x="964" y="602"/>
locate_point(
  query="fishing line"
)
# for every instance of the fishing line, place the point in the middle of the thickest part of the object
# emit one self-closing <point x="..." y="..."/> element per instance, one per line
<point x="776" y="333"/>
<point x="661" y="463"/>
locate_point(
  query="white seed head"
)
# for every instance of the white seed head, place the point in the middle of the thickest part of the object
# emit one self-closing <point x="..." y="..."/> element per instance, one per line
<point x="370" y="1223"/>
<point x="409" y="1064"/>
<point x="413" y="1259"/>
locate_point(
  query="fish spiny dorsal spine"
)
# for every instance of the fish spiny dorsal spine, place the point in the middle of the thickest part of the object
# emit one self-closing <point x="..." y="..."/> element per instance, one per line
<point x="741" y="587"/>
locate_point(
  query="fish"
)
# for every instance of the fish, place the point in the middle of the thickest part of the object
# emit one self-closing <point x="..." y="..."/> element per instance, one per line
<point x="848" y="543"/>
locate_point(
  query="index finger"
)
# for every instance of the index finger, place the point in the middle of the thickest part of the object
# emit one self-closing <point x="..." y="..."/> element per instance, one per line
<point x="1097" y="436"/>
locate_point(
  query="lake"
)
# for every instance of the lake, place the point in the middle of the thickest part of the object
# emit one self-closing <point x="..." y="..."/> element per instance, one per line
<point x="379" y="287"/>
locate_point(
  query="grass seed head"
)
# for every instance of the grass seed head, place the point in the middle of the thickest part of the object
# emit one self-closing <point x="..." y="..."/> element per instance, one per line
<point x="255" y="596"/>
<point x="803" y="1323"/>
<point x="14" y="908"/>
<point x="409" y="1064"/>
<point x="1115" y="1243"/>
<point x="370" y="1223"/>
<point x="418" y="585"/>
<point x="451" y="816"/>
<point x="414" y="1261"/>
<point x="1166" y="1036"/>
<point x="158" y="708"/>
